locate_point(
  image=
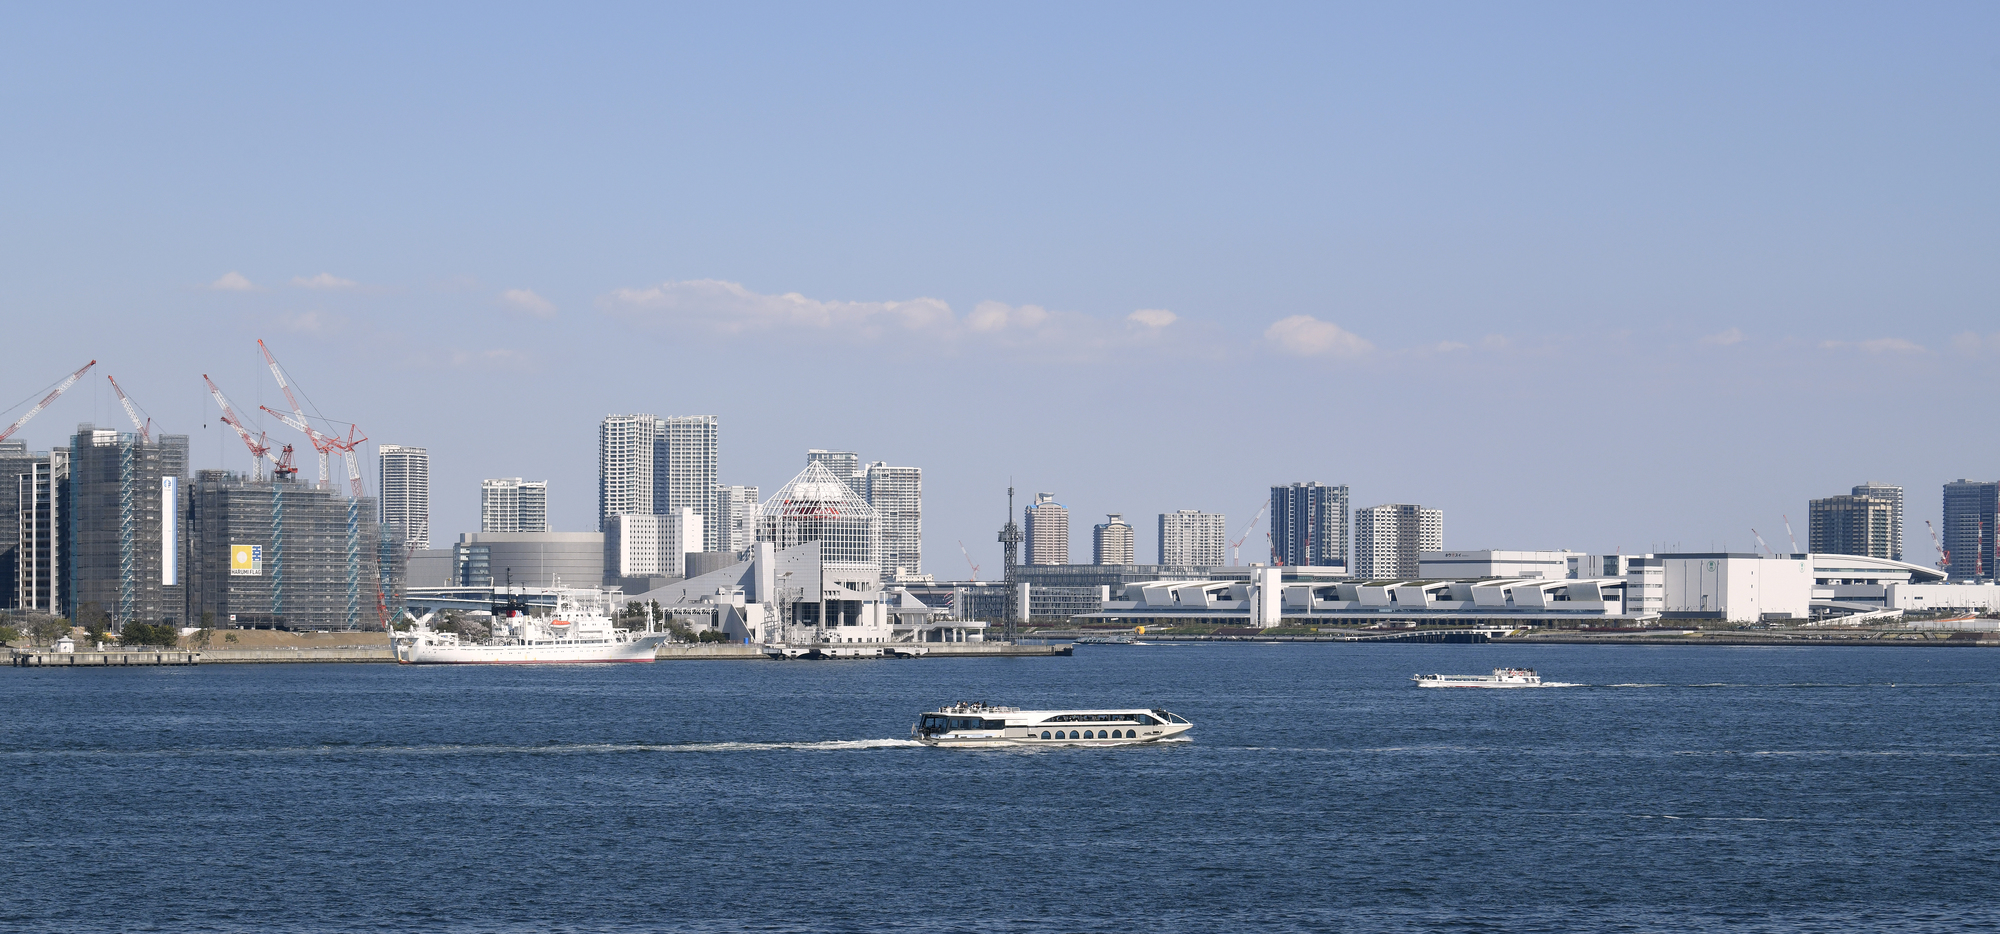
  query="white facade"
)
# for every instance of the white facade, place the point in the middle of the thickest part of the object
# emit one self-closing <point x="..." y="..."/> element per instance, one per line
<point x="1461" y="565"/>
<point x="1111" y="542"/>
<point x="405" y="482"/>
<point x="1192" y="538"/>
<point x="1048" y="531"/>
<point x="897" y="493"/>
<point x="1389" y="540"/>
<point x="818" y="507"/>
<point x="843" y="464"/>
<point x="625" y="466"/>
<point x="1737" y="588"/>
<point x="1984" y="598"/>
<point x="686" y="458"/>
<point x="736" y="510"/>
<point x="511" y="504"/>
<point x="655" y="546"/>
<point x="1893" y="495"/>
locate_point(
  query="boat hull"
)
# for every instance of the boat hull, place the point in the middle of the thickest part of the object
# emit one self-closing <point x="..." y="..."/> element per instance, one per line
<point x="639" y="650"/>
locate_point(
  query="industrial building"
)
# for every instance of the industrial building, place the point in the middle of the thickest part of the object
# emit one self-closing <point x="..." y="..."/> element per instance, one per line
<point x="534" y="559"/>
<point x="1737" y="587"/>
<point x="1309" y="525"/>
<point x="1463" y="565"/>
<point x="404" y="475"/>
<point x="1971" y="509"/>
<point x="1047" y="523"/>
<point x="1190" y="537"/>
<point x="282" y="554"/>
<point x="1111" y="542"/>
<point x="512" y="504"/>
<point x="1389" y="540"/>
<point x="1063" y="591"/>
<point x="897" y="496"/>
<point x="125" y="519"/>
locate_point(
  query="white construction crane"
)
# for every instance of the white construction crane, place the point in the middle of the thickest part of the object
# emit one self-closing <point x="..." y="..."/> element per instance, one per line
<point x="1788" y="534"/>
<point x="260" y="450"/>
<point x="132" y="411"/>
<point x="1944" y="557"/>
<point x="968" y="559"/>
<point x="1236" y="547"/>
<point x="1760" y="543"/>
<point x="324" y="444"/>
<point x="51" y="397"/>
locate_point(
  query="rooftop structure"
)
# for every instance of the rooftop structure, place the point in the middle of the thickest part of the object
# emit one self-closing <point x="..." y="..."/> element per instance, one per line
<point x="817" y="506"/>
<point x="1443" y="565"/>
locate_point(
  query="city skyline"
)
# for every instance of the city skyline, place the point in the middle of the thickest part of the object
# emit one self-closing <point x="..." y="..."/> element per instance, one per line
<point x="1419" y="224"/>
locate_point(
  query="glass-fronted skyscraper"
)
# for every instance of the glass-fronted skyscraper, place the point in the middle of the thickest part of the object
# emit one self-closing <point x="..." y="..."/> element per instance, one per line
<point x="1309" y="523"/>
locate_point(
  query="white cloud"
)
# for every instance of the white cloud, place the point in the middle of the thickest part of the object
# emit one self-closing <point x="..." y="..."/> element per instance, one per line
<point x="526" y="300"/>
<point x="233" y="282"/>
<point x="325" y="280"/>
<point x="999" y="316"/>
<point x="1153" y="317"/>
<point x="1725" y="338"/>
<point x="311" y="322"/>
<point x="1877" y="345"/>
<point x="1448" y="346"/>
<point x="729" y="308"/>
<point x="1972" y="342"/>
<point x="1307" y="336"/>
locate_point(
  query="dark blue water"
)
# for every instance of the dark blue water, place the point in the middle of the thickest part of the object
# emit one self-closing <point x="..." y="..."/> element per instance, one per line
<point x="1818" y="789"/>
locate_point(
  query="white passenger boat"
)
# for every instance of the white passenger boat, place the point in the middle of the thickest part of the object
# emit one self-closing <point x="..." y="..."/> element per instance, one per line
<point x="987" y="725"/>
<point x="1500" y="678"/>
<point x="580" y="631"/>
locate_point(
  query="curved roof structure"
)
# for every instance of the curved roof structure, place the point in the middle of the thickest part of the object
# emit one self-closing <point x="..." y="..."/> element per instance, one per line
<point x="1883" y="570"/>
<point x="817" y="506"/>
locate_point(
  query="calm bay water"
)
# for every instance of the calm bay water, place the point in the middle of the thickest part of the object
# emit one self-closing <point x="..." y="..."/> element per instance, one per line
<point x="1816" y="789"/>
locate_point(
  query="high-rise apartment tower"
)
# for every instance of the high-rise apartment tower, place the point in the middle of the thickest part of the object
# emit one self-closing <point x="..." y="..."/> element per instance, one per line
<point x="1192" y="538"/>
<point x="1309" y="525"/>
<point x="897" y="493"/>
<point x="405" y="475"/>
<point x="1111" y="541"/>
<point x="1971" y="510"/>
<point x="1389" y="540"/>
<point x="1852" y="525"/>
<point x="1047" y="524"/>
<point x="511" y="504"/>
<point x="1893" y="495"/>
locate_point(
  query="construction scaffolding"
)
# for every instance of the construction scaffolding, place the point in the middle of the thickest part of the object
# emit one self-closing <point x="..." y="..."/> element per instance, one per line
<point x="280" y="554"/>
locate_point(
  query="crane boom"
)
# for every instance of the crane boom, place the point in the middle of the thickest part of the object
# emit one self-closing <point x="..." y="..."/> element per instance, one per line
<point x="259" y="450"/>
<point x="968" y="559"/>
<point x="1944" y="557"/>
<point x="322" y="443"/>
<point x="1788" y="534"/>
<point x="132" y="411"/>
<point x="51" y="397"/>
<point x="1760" y="543"/>
<point x="1236" y="547"/>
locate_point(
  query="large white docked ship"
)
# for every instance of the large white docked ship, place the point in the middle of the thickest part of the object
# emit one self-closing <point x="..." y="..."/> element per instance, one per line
<point x="987" y="725"/>
<point x="580" y="630"/>
<point x="1500" y="678"/>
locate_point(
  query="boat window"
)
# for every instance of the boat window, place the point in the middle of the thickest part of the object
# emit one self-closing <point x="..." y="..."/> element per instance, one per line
<point x="1145" y="720"/>
<point x="1089" y="735"/>
<point x="1117" y="734"/>
<point x="1072" y="735"/>
<point x="1045" y="734"/>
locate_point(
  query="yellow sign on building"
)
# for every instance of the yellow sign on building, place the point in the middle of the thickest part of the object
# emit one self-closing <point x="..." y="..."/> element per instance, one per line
<point x="246" y="560"/>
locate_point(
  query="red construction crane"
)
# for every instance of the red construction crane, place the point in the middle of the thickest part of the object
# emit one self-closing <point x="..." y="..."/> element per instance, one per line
<point x="1236" y="547"/>
<point x="322" y="443"/>
<point x="51" y="397"/>
<point x="1944" y="557"/>
<point x="1788" y="533"/>
<point x="968" y="559"/>
<point x="1760" y="543"/>
<point x="132" y="411"/>
<point x="259" y="450"/>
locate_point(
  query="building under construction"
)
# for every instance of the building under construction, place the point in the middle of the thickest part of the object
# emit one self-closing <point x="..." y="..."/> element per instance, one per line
<point x="282" y="554"/>
<point x="124" y="519"/>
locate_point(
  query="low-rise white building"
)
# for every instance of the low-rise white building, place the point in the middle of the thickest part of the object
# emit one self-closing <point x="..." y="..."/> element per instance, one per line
<point x="1461" y="565"/>
<point x="654" y="546"/>
<point x="1737" y="587"/>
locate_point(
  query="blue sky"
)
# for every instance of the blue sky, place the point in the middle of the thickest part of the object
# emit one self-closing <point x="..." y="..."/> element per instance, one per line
<point x="1586" y="276"/>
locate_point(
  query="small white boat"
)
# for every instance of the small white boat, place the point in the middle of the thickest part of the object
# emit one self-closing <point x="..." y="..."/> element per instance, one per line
<point x="1500" y="678"/>
<point x="987" y="725"/>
